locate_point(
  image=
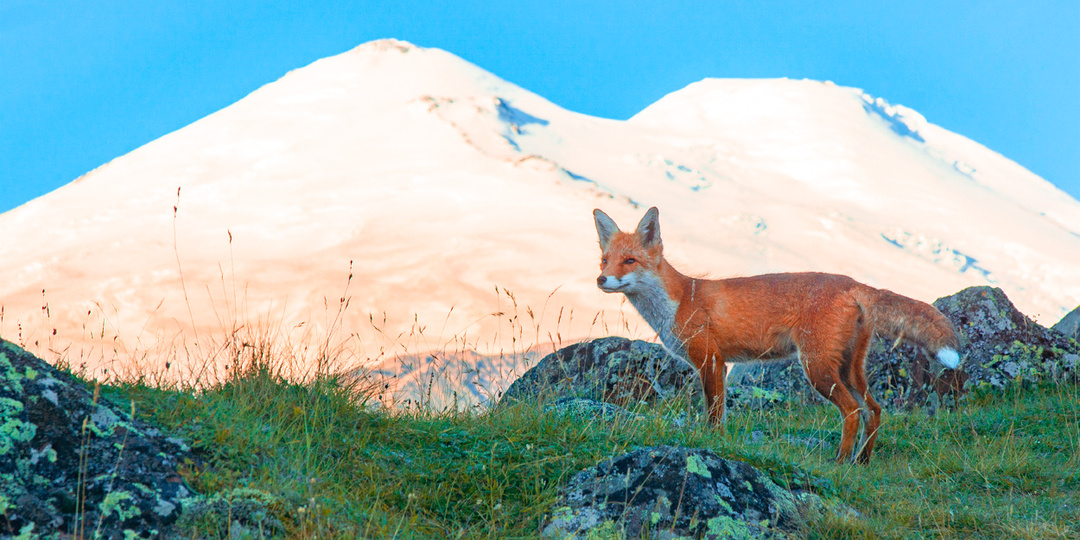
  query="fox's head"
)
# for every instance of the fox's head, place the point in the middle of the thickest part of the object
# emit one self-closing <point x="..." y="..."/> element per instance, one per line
<point x="629" y="260"/>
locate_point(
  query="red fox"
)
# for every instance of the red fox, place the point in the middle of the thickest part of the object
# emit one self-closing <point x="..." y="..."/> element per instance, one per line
<point x="824" y="320"/>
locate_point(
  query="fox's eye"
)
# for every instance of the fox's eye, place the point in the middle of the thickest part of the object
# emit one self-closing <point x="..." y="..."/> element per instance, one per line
<point x="603" y="261"/>
<point x="629" y="260"/>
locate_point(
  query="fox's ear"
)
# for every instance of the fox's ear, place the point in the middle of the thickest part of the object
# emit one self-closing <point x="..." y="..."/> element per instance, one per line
<point x="648" y="229"/>
<point x="605" y="227"/>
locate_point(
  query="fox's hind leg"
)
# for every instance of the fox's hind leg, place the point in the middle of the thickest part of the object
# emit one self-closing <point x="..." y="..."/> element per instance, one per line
<point x="855" y="362"/>
<point x="823" y="371"/>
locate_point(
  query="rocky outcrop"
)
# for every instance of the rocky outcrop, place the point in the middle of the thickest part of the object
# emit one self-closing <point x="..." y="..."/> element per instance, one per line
<point x="1000" y="346"/>
<point x="670" y="492"/>
<point x="1003" y="346"/>
<point x="73" y="464"/>
<point x="611" y="370"/>
<point x="1069" y="325"/>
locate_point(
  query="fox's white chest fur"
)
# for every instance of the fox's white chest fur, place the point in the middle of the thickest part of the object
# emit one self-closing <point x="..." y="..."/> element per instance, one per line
<point x="652" y="302"/>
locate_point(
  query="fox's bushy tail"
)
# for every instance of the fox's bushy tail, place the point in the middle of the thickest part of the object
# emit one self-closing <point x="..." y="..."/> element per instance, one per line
<point x="897" y="317"/>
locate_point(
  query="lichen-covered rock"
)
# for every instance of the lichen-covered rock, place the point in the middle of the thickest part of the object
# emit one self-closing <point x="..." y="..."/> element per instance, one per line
<point x="999" y="345"/>
<point x="73" y="464"/>
<point x="668" y="492"/>
<point x="613" y="370"/>
<point x="1069" y="325"/>
<point x="1002" y="346"/>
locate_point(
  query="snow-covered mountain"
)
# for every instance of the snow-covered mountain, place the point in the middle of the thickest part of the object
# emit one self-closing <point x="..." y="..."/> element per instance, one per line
<point x="464" y="205"/>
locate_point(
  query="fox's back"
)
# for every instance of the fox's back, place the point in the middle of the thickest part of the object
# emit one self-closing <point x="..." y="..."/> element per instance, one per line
<point x="766" y="317"/>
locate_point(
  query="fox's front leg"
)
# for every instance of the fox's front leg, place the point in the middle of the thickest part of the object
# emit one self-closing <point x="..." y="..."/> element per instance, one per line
<point x="712" y="376"/>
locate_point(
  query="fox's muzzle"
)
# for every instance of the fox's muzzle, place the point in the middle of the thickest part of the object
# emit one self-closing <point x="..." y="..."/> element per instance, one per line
<point x="610" y="283"/>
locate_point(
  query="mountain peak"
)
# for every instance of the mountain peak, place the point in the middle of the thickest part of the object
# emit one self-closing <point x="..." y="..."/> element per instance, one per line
<point x="712" y="105"/>
<point x="387" y="45"/>
<point x="382" y="73"/>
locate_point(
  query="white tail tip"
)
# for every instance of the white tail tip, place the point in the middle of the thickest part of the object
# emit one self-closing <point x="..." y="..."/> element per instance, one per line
<point x="948" y="357"/>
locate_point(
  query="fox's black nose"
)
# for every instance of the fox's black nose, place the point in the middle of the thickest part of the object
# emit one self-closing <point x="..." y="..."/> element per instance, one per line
<point x="600" y="281"/>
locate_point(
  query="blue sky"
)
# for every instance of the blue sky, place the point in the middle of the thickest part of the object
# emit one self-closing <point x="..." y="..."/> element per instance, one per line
<point x="84" y="82"/>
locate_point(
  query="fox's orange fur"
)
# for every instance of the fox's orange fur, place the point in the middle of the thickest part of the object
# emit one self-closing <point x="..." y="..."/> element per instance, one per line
<point x="824" y="320"/>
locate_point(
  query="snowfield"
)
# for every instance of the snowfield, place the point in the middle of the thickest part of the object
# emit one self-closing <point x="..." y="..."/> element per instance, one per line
<point x="460" y="204"/>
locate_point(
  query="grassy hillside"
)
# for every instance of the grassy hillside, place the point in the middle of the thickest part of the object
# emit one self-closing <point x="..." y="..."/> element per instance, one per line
<point x="326" y="464"/>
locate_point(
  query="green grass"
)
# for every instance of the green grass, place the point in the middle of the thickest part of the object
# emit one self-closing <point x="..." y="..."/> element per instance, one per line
<point x="1000" y="466"/>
